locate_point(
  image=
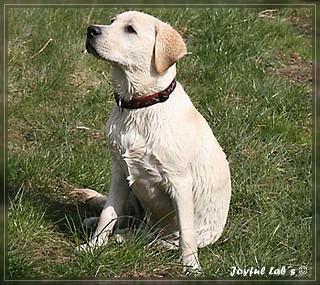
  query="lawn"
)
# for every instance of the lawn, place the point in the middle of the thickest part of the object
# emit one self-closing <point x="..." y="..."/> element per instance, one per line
<point x="249" y="73"/>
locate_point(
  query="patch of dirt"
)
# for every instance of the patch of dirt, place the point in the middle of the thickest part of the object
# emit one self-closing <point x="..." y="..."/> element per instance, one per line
<point x="293" y="67"/>
<point x="301" y="27"/>
<point x="298" y="70"/>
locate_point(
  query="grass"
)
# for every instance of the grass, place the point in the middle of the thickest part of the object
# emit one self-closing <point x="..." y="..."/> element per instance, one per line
<point x="250" y="77"/>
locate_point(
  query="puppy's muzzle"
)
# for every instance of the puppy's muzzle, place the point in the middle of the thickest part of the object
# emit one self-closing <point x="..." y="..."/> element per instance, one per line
<point x="93" y="32"/>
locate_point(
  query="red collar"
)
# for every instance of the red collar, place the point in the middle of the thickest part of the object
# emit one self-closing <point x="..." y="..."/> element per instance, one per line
<point x="150" y="100"/>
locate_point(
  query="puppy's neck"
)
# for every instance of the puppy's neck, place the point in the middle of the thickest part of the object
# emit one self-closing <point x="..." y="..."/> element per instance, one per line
<point x="135" y="85"/>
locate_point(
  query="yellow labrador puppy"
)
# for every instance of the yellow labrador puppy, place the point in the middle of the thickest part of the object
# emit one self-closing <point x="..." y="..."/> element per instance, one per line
<point x="164" y="152"/>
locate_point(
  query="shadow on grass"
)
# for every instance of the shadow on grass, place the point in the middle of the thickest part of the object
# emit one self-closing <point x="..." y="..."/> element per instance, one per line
<point x="54" y="211"/>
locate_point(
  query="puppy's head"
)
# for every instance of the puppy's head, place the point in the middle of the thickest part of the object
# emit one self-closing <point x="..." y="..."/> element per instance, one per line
<point x="136" y="41"/>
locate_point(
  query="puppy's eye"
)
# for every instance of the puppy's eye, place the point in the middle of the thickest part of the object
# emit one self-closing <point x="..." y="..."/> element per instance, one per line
<point x="129" y="29"/>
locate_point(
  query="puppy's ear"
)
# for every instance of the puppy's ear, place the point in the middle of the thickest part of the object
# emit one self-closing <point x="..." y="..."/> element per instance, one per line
<point x="169" y="47"/>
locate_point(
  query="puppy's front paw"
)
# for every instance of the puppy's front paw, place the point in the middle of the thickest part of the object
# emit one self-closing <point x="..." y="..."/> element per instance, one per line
<point x="191" y="265"/>
<point x="192" y="270"/>
<point x="92" y="245"/>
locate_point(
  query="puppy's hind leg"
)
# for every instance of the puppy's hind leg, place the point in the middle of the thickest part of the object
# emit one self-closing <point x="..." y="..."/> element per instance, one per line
<point x="94" y="199"/>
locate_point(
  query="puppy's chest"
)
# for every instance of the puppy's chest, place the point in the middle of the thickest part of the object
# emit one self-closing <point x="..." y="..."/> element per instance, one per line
<point x="134" y="148"/>
<point x="124" y="135"/>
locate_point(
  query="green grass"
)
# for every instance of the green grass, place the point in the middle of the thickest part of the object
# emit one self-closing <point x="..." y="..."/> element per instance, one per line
<point x="249" y="76"/>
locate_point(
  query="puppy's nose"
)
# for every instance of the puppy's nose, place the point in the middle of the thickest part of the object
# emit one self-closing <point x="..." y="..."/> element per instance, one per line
<point x="93" y="31"/>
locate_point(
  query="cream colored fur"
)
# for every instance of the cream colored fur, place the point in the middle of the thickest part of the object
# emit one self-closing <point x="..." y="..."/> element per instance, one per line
<point x="166" y="154"/>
